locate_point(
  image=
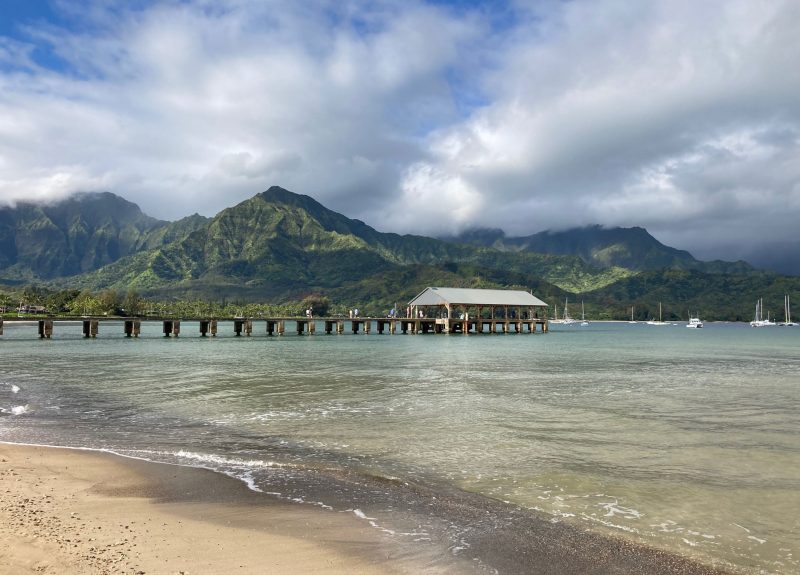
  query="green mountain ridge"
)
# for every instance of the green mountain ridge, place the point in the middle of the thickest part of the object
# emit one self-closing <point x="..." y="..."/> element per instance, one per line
<point x="630" y="248"/>
<point x="77" y="235"/>
<point x="279" y="246"/>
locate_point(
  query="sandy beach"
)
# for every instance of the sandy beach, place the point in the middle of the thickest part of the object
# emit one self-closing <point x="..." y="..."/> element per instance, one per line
<point x="66" y="511"/>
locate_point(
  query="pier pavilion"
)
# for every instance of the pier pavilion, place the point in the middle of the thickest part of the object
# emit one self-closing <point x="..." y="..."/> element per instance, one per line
<point x="465" y="309"/>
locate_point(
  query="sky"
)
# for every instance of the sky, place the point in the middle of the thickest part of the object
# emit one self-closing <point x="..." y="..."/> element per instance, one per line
<point x="429" y="117"/>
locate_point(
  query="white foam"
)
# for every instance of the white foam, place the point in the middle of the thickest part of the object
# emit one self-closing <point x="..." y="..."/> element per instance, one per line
<point x="609" y="523"/>
<point x="250" y="482"/>
<point x="19" y="409"/>
<point x="14" y="388"/>
<point x="209" y="458"/>
<point x="613" y="509"/>
<point x="361" y="515"/>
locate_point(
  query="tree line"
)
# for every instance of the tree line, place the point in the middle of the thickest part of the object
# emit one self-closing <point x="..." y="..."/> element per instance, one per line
<point x="129" y="303"/>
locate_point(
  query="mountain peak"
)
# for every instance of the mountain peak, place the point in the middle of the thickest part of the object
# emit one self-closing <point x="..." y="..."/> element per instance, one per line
<point x="281" y="195"/>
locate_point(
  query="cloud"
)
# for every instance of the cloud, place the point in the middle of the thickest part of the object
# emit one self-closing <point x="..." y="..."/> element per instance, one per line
<point x="641" y="114"/>
<point x="421" y="117"/>
<point x="203" y="104"/>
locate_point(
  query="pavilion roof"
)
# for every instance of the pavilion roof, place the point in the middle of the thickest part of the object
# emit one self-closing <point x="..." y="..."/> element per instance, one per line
<point x="467" y="296"/>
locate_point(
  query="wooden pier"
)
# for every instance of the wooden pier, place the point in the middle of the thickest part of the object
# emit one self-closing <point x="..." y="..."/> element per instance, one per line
<point x="131" y="327"/>
<point x="434" y="311"/>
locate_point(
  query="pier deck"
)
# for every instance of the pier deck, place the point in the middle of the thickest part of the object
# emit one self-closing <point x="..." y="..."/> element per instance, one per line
<point x="171" y="327"/>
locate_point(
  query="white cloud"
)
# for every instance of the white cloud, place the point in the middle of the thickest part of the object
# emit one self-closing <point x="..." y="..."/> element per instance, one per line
<point x="680" y="116"/>
<point x="195" y="106"/>
<point x="640" y="114"/>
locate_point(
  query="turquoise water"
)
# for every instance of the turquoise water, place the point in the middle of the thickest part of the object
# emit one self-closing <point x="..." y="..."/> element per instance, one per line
<point x="688" y="440"/>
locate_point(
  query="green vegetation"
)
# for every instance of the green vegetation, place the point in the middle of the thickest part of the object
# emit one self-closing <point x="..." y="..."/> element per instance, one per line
<point x="278" y="252"/>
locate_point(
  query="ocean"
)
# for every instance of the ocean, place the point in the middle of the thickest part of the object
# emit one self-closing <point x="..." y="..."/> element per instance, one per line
<point x="679" y="439"/>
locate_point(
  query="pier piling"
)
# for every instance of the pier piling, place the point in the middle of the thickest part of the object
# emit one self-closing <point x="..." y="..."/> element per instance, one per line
<point x="172" y="327"/>
<point x="208" y="326"/>
<point x="90" y="328"/>
<point x="133" y="327"/>
<point x="45" y="328"/>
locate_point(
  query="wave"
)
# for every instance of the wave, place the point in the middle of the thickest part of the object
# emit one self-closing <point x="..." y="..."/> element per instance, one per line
<point x="14" y="388"/>
<point x="16" y="410"/>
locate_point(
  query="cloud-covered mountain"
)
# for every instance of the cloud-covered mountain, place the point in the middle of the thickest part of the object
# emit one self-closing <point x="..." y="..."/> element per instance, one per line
<point x="281" y="246"/>
<point x="79" y="234"/>
<point x="631" y="248"/>
<point x="278" y="243"/>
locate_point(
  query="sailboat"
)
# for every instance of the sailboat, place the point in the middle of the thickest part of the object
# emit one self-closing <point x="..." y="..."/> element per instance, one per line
<point x="757" y="320"/>
<point x="555" y="315"/>
<point x="567" y="320"/>
<point x="583" y="316"/>
<point x="659" y="322"/>
<point x="787" y="313"/>
<point x="632" y="320"/>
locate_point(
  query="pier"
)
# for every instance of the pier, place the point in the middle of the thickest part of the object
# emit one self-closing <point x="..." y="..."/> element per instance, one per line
<point x="434" y="311"/>
<point x="93" y="328"/>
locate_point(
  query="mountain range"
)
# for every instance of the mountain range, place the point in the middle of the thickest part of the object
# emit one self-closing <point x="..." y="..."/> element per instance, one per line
<point x="280" y="246"/>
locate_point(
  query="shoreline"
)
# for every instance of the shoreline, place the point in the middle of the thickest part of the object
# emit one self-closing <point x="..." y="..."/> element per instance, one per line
<point x="70" y="510"/>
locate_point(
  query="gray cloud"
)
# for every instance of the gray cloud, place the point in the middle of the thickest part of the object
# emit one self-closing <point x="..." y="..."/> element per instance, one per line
<point x="677" y="116"/>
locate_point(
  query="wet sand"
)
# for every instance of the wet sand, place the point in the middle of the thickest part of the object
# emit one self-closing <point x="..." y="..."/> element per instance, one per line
<point x="77" y="512"/>
<point x="68" y="512"/>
